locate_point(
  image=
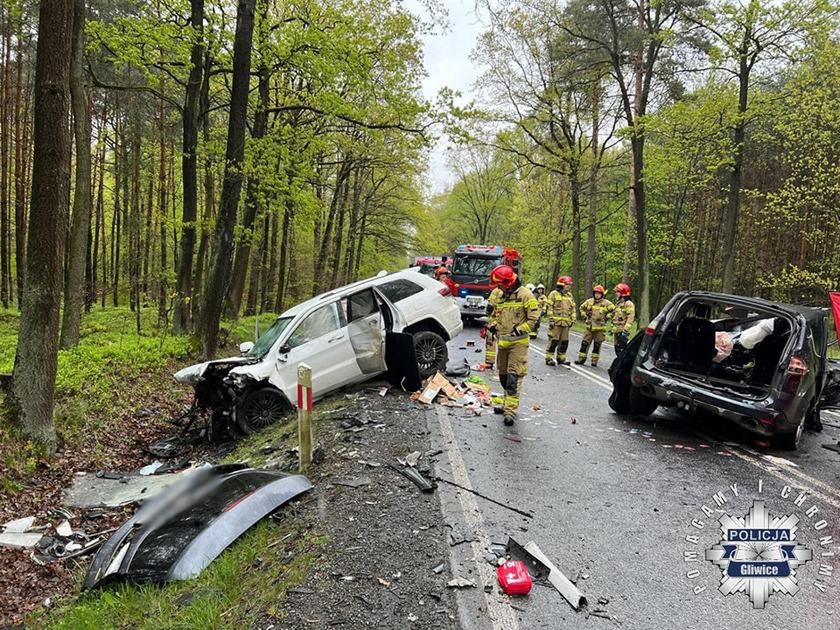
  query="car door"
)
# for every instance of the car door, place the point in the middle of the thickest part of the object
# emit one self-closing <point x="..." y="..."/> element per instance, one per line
<point x="366" y="330"/>
<point x="321" y="341"/>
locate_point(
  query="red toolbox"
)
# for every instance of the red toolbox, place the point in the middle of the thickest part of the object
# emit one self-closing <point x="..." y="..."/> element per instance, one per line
<point x="514" y="577"/>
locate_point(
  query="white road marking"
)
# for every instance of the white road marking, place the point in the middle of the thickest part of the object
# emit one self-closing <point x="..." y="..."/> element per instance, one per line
<point x="598" y="380"/>
<point x="501" y="614"/>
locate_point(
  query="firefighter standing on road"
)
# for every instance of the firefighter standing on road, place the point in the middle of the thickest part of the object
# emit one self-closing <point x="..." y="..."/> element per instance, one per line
<point x="596" y="312"/>
<point x="623" y="317"/>
<point x="539" y="293"/>
<point x="561" y="315"/>
<point x="489" y="337"/>
<point x="514" y="316"/>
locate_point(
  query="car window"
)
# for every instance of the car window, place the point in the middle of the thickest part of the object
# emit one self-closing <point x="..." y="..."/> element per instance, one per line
<point x="317" y="324"/>
<point x="268" y="338"/>
<point x="360" y="305"/>
<point x="397" y="290"/>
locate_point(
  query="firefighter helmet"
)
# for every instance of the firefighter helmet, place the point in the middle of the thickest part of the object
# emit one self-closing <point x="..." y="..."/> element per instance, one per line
<point x="622" y="289"/>
<point x="541" y="286"/>
<point x="503" y="276"/>
<point x="530" y="286"/>
<point x="567" y="280"/>
<point x="598" y="288"/>
<point x="440" y="272"/>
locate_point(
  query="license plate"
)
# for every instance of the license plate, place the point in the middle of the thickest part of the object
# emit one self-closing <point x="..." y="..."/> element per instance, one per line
<point x="474" y="302"/>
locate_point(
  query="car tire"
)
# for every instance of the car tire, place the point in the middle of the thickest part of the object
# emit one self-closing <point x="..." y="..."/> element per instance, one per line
<point x="260" y="408"/>
<point x="639" y="404"/>
<point x="790" y="441"/>
<point x="431" y="351"/>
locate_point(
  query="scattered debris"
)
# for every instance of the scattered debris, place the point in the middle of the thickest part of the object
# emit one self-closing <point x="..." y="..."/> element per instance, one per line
<point x="19" y="526"/>
<point x="573" y="420"/>
<point x="384" y="390"/>
<point x="557" y="579"/>
<point x="353" y="482"/>
<point x="18" y="540"/>
<point x="460" y="582"/>
<point x="470" y="342"/>
<point x="411" y="473"/>
<point x="116" y="490"/>
<point x="439" y="569"/>
<point x="457" y="536"/>
<point x="151" y="469"/>
<point x="64" y="529"/>
<point x="412" y="458"/>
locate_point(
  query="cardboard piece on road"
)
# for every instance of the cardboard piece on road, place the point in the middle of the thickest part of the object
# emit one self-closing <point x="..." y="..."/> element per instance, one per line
<point x="557" y="579"/>
<point x="435" y="385"/>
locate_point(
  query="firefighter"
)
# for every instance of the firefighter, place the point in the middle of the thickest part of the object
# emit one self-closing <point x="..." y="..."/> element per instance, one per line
<point x="441" y="273"/>
<point x="623" y="317"/>
<point x="514" y="316"/>
<point x="596" y="312"/>
<point x="561" y="315"/>
<point x="489" y="337"/>
<point x="539" y="293"/>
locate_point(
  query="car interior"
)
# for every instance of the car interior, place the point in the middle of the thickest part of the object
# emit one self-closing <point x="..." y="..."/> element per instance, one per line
<point x="725" y="345"/>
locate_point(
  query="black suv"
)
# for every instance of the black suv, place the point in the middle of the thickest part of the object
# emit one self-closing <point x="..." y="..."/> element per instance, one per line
<point x="760" y="364"/>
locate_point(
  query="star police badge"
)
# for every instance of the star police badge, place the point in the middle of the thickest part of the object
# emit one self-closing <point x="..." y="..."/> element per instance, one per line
<point x="757" y="554"/>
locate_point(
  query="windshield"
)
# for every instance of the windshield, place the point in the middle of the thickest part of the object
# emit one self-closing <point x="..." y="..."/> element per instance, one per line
<point x="474" y="266"/>
<point x="268" y="338"/>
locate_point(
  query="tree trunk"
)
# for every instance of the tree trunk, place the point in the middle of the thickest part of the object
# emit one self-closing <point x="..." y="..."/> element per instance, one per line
<point x="574" y="187"/>
<point x="593" y="187"/>
<point x="189" y="167"/>
<point x="288" y="219"/>
<point x="643" y="281"/>
<point x="80" y="221"/>
<point x="209" y="197"/>
<point x="36" y="360"/>
<point x="5" y="101"/>
<point x="219" y="276"/>
<point x="267" y="283"/>
<point x="243" y="248"/>
<point x="733" y="206"/>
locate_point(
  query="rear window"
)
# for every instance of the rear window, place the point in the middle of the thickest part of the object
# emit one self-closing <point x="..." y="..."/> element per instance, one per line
<point x="397" y="290"/>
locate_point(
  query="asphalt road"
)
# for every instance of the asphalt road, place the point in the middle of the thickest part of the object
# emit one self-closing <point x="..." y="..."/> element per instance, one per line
<point x="613" y="500"/>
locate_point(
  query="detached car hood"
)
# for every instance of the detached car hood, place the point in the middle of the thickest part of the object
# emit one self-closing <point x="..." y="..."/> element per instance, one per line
<point x="179" y="532"/>
<point x="192" y="374"/>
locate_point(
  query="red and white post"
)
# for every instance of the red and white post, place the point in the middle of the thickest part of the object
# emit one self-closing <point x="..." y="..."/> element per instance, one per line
<point x="305" y="406"/>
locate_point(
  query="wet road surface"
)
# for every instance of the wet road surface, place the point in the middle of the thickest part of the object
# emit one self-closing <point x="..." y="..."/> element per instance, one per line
<point x="618" y="506"/>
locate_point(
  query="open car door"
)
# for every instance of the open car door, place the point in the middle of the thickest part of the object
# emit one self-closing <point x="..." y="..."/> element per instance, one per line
<point x="400" y="357"/>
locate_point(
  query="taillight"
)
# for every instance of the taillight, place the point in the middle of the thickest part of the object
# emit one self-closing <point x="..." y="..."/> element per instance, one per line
<point x="445" y="292"/>
<point x="651" y="327"/>
<point x="796" y="367"/>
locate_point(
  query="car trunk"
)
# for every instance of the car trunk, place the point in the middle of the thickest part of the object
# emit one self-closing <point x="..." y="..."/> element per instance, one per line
<point x="736" y="347"/>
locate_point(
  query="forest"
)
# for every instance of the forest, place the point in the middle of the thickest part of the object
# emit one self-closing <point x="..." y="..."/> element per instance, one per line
<point x="194" y="161"/>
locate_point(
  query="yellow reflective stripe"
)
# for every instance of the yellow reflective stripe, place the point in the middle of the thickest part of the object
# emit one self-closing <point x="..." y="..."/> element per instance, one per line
<point x="510" y="305"/>
<point x="505" y="343"/>
<point x="524" y="326"/>
<point x="532" y="303"/>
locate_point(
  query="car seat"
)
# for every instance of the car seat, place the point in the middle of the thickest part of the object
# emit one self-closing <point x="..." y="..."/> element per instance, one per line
<point x="695" y="345"/>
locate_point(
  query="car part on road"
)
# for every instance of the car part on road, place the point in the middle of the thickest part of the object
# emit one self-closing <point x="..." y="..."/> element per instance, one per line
<point x="559" y="581"/>
<point x="411" y="473"/>
<point x="485" y="497"/>
<point x="180" y="532"/>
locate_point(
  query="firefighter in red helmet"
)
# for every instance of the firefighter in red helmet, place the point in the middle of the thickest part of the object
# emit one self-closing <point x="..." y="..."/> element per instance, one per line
<point x="623" y="317"/>
<point x="514" y="316"/>
<point x="597" y="312"/>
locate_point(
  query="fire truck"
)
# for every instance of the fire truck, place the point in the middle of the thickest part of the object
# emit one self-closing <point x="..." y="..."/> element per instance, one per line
<point x="470" y="279"/>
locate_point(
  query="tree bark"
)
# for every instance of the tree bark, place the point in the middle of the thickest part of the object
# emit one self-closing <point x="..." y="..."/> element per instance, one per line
<point x="574" y="188"/>
<point x="80" y="221"/>
<point x="36" y="359"/>
<point x="189" y="167"/>
<point x="219" y="276"/>
<point x="20" y="185"/>
<point x="593" y="187"/>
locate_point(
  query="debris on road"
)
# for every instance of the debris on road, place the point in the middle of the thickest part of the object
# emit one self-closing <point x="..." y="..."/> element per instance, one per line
<point x="16" y="540"/>
<point x="19" y="525"/>
<point x="458" y="536"/>
<point x="485" y="497"/>
<point x="151" y="469"/>
<point x="353" y="482"/>
<point x="460" y="582"/>
<point x="566" y="588"/>
<point x="413" y="475"/>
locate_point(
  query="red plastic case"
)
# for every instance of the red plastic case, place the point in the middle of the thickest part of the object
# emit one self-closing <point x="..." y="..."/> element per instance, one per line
<point x="514" y="577"/>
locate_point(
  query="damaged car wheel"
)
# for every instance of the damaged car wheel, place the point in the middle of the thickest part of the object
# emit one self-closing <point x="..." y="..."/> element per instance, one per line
<point x="431" y="352"/>
<point x="260" y="408"/>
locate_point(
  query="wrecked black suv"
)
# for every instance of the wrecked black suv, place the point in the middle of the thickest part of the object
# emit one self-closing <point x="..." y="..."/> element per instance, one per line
<point x="757" y="363"/>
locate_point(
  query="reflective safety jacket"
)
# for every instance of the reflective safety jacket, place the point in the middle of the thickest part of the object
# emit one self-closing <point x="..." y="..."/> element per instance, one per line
<point x="624" y="316"/>
<point x="492" y="299"/>
<point x="596" y="314"/>
<point x="543" y="300"/>
<point x="561" y="308"/>
<point x="515" y="315"/>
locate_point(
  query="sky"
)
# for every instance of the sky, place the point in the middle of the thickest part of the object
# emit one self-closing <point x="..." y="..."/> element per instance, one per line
<point x="447" y="61"/>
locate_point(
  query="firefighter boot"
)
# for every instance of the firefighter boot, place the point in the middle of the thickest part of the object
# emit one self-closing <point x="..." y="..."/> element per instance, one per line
<point x="561" y="357"/>
<point x="596" y="353"/>
<point x="584" y="348"/>
<point x="500" y="409"/>
<point x="549" y="353"/>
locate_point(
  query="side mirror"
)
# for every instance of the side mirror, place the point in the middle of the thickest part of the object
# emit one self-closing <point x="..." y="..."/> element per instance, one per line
<point x="282" y="351"/>
<point x="245" y="347"/>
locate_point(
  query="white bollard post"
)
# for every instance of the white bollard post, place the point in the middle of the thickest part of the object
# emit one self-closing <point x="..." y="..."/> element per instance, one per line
<point x="305" y="406"/>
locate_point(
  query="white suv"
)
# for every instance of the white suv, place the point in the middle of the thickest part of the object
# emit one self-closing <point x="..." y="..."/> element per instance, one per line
<point x="346" y="336"/>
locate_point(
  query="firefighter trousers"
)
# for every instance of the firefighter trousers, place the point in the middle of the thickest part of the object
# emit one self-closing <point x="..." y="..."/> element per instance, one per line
<point x="558" y="338"/>
<point x="596" y="338"/>
<point x="489" y="350"/>
<point x="513" y="366"/>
